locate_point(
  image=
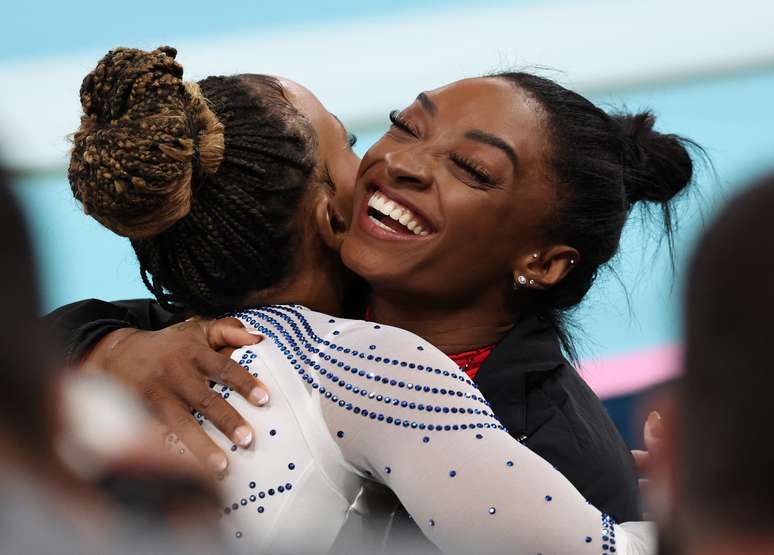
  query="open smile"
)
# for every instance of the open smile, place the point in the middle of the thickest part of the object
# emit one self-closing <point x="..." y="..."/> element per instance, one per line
<point x="389" y="218"/>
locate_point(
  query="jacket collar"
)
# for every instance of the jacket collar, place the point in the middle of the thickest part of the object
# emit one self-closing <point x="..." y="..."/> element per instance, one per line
<point x="531" y="346"/>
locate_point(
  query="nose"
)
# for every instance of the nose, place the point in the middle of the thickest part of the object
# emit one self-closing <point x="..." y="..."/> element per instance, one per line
<point x="408" y="168"/>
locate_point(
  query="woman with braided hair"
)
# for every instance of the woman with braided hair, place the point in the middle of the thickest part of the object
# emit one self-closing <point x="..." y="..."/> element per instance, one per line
<point x="456" y="228"/>
<point x="206" y="211"/>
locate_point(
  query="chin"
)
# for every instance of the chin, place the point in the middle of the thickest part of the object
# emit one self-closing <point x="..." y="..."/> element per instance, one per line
<point x="363" y="260"/>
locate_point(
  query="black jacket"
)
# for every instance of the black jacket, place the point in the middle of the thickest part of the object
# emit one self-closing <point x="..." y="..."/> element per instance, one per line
<point x="535" y="392"/>
<point x="543" y="402"/>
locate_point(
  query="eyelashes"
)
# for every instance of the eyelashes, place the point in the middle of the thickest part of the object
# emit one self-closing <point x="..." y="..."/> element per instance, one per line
<point x="400" y="122"/>
<point x="473" y="170"/>
<point x="351" y="139"/>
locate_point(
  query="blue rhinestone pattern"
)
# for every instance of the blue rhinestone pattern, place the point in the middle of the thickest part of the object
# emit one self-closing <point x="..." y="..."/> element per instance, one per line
<point x="293" y="336"/>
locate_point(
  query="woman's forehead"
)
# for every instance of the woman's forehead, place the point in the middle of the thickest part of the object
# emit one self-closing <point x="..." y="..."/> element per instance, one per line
<point x="489" y="104"/>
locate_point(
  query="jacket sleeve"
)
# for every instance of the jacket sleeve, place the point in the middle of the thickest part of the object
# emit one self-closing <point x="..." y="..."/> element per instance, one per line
<point x="81" y="324"/>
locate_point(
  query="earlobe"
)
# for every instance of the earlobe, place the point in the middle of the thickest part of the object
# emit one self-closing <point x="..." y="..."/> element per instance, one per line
<point x="330" y="224"/>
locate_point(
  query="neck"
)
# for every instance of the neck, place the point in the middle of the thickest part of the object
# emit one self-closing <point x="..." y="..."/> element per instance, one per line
<point x="317" y="281"/>
<point x="480" y="321"/>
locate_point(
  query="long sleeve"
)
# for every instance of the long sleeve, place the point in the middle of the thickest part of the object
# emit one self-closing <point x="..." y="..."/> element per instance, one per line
<point x="81" y="324"/>
<point x="404" y="415"/>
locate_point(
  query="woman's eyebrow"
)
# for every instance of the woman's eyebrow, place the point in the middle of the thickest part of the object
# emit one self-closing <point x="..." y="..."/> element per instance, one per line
<point x="495" y="141"/>
<point x="427" y="104"/>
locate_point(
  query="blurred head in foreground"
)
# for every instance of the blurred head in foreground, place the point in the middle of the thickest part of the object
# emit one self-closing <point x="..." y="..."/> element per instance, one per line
<point x="27" y="405"/>
<point x="44" y="506"/>
<point x="724" y="459"/>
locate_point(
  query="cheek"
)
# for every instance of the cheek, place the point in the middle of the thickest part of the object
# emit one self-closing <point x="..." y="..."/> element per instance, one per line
<point x="344" y="178"/>
<point x="374" y="155"/>
<point x="474" y="221"/>
<point x="487" y="235"/>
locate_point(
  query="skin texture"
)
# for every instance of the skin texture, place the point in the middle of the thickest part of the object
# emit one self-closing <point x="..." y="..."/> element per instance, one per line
<point x="485" y="208"/>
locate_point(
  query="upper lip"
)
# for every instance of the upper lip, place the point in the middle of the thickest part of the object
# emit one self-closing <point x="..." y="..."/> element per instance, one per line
<point x="389" y="193"/>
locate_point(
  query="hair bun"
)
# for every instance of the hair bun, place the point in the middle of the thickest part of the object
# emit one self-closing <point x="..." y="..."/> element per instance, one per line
<point x="143" y="134"/>
<point x="656" y="166"/>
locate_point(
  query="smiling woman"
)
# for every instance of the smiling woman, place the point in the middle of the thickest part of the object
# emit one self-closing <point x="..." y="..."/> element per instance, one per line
<point x="520" y="189"/>
<point x="517" y="190"/>
<point x="528" y="189"/>
<point x="352" y="402"/>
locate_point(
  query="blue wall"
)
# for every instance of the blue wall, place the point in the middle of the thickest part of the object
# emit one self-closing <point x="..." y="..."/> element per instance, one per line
<point x="634" y="306"/>
<point x="727" y="116"/>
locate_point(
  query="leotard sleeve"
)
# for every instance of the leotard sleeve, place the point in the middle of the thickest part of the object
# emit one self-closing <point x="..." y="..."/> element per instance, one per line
<point x="404" y="415"/>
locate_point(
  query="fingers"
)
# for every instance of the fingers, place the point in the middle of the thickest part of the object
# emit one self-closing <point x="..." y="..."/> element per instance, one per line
<point x="642" y="462"/>
<point x="180" y="420"/>
<point x="226" y="419"/>
<point x="223" y="370"/>
<point x="229" y="332"/>
<point x="653" y="431"/>
<point x="199" y="396"/>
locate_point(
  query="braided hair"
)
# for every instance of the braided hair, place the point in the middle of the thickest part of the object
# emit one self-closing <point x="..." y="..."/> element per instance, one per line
<point x="204" y="178"/>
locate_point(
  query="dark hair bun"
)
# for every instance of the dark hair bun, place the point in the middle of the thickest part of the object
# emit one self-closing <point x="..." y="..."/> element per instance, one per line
<point x="142" y="133"/>
<point x="656" y="166"/>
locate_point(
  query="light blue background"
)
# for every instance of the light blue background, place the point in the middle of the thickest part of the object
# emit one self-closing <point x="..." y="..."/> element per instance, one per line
<point x="730" y="115"/>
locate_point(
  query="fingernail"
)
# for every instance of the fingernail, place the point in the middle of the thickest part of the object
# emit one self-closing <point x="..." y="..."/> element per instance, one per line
<point x="217" y="462"/>
<point x="259" y="396"/>
<point x="259" y="335"/>
<point x="654" y="418"/>
<point x="243" y="436"/>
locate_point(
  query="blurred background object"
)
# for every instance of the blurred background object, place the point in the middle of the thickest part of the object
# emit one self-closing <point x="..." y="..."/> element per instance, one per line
<point x="705" y="68"/>
<point x="118" y="493"/>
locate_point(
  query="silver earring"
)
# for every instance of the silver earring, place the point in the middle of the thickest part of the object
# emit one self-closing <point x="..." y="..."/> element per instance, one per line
<point x="534" y="255"/>
<point x="518" y="282"/>
<point x="572" y="261"/>
<point x="531" y="282"/>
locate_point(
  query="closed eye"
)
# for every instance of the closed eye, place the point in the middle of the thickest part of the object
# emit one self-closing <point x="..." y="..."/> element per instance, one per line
<point x="352" y="139"/>
<point x="474" y="170"/>
<point x="399" y="122"/>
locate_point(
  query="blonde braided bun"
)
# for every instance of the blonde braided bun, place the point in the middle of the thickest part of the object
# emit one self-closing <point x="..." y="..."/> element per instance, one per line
<point x="144" y="136"/>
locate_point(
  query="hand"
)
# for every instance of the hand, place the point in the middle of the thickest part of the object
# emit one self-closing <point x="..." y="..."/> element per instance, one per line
<point x="644" y="460"/>
<point x="171" y="369"/>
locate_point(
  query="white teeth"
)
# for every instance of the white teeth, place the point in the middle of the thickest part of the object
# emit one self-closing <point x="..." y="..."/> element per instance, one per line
<point x="399" y="213"/>
<point x="380" y="224"/>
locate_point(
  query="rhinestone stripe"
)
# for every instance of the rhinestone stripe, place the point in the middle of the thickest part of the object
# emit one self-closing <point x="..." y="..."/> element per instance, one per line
<point x="253" y="498"/>
<point x="249" y="314"/>
<point x="608" y="534"/>
<point x="376" y="416"/>
<point x="282" y="310"/>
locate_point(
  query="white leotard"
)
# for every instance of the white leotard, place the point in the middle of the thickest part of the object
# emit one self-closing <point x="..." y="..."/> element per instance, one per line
<point x="355" y="401"/>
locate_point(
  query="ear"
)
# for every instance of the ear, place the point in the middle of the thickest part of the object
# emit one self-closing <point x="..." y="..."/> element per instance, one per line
<point x="542" y="269"/>
<point x="331" y="226"/>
